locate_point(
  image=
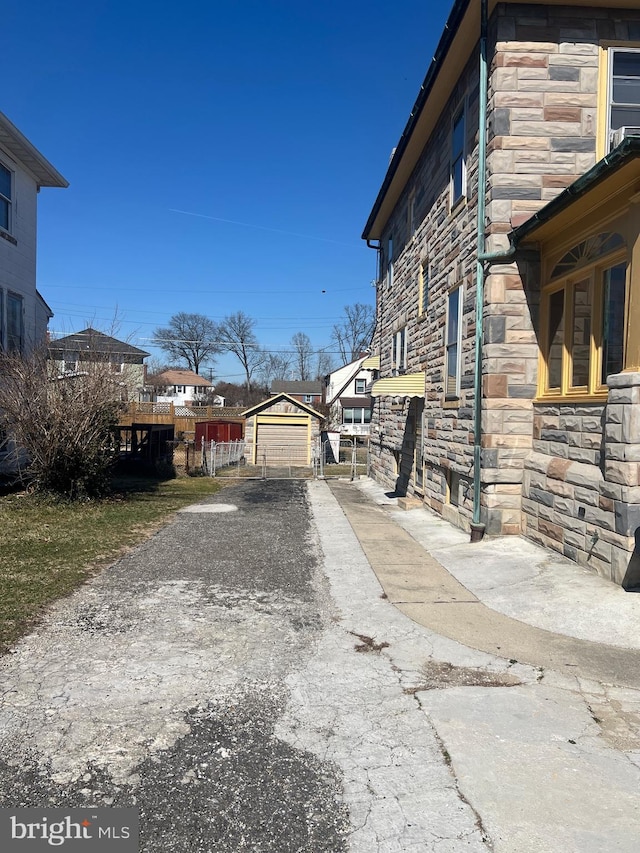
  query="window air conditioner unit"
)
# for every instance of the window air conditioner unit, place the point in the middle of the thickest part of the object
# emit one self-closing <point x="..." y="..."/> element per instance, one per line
<point x="619" y="135"/>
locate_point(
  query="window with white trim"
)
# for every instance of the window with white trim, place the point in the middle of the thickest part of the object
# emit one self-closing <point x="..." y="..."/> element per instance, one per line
<point x="6" y="197"/>
<point x="70" y="364"/>
<point x="356" y="415"/>
<point x="624" y="92"/>
<point x="399" y="352"/>
<point x="458" y="164"/>
<point x="361" y="386"/>
<point x="453" y="344"/>
<point x="15" y="322"/>
<point x="307" y="398"/>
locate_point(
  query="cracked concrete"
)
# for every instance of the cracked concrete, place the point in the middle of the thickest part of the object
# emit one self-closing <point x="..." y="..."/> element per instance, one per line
<point x="244" y="680"/>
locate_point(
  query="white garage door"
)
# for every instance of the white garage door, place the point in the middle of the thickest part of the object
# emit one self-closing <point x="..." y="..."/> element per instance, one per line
<point x="283" y="444"/>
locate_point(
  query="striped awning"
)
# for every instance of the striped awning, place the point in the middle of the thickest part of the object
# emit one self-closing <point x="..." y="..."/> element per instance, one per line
<point x="371" y="363"/>
<point x="408" y="385"/>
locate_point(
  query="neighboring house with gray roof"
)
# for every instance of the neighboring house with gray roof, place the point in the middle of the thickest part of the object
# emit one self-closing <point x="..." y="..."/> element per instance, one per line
<point x="309" y="392"/>
<point x="183" y="388"/>
<point x="74" y="354"/>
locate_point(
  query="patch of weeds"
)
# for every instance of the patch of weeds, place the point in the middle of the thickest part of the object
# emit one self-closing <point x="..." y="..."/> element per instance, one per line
<point x="439" y="675"/>
<point x="368" y="644"/>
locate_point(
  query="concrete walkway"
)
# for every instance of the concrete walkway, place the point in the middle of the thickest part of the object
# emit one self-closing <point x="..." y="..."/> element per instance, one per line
<point x="244" y="681"/>
<point x="503" y="596"/>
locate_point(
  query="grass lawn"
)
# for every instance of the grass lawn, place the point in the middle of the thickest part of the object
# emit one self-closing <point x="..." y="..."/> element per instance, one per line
<point x="49" y="547"/>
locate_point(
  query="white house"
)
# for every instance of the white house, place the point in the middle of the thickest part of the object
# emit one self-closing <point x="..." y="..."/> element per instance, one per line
<point x="348" y="396"/>
<point x="24" y="314"/>
<point x="183" y="388"/>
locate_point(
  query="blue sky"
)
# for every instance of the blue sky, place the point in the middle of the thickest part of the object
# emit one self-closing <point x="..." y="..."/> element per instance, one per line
<point x="222" y="157"/>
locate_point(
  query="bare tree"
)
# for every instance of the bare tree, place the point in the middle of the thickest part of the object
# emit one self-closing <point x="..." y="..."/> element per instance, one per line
<point x="324" y="364"/>
<point x="236" y="335"/>
<point x="302" y="355"/>
<point x="192" y="338"/>
<point x="275" y="366"/>
<point x="352" y="335"/>
<point x="60" y="429"/>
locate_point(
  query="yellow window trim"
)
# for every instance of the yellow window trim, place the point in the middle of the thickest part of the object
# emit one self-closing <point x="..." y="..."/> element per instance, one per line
<point x="603" y="91"/>
<point x="596" y="390"/>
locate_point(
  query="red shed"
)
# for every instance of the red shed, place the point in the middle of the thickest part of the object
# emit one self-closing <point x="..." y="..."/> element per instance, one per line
<point x="218" y="430"/>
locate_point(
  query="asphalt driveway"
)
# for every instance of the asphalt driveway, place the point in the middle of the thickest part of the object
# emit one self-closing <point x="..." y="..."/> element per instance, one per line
<point x="172" y="682"/>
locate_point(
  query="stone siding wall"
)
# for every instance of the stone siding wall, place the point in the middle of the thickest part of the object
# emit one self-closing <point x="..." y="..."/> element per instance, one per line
<point x="542" y="135"/>
<point x="582" y="482"/>
<point x="445" y="239"/>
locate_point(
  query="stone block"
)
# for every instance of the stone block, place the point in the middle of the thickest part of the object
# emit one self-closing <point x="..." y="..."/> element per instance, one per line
<point x="599" y="518"/>
<point x="526" y="392"/>
<point x="538" y="462"/>
<point x="559" y="449"/>
<point x="627" y="518"/>
<point x="581" y="454"/>
<point x="548" y="513"/>
<point x="630" y="424"/>
<point x="558" y="487"/>
<point x="623" y="380"/>
<point x="552" y="531"/>
<point x="625" y="473"/>
<point x="569" y="522"/>
<point x="495" y="385"/>
<point x="564" y="506"/>
<point x="557" y="468"/>
<point x="541" y="497"/>
<point x="613" y="432"/>
<point x="580" y="474"/>
<point x="564" y="73"/>
<point x="577" y="143"/>
<point x="576" y="540"/>
<point x="590" y="497"/>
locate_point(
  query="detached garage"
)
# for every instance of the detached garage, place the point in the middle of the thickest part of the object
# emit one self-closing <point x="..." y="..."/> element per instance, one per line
<point x="281" y="431"/>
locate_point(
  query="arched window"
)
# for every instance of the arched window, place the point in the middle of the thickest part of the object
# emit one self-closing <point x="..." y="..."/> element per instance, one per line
<point x="583" y="311"/>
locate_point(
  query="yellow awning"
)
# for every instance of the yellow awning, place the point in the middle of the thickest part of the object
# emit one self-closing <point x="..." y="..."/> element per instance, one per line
<point x="371" y="363"/>
<point x="408" y="385"/>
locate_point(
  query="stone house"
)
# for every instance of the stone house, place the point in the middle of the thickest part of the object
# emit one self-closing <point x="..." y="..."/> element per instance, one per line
<point x="507" y="229"/>
<point x="348" y="396"/>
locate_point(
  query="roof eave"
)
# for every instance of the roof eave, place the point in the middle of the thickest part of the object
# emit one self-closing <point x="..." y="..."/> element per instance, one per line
<point x="408" y="150"/>
<point x="19" y="147"/>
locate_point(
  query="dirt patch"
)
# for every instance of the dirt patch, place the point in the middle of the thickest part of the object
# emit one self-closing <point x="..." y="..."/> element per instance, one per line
<point x="438" y="675"/>
<point x="368" y="644"/>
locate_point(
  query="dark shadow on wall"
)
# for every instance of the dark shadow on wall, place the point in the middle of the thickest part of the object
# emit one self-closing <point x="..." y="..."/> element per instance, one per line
<point x="406" y="454"/>
<point x="631" y="580"/>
